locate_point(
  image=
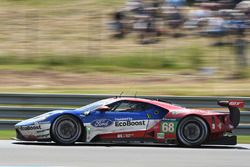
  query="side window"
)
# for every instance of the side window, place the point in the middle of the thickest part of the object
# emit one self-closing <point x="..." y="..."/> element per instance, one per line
<point x="129" y="106"/>
<point x="113" y="106"/>
<point x="125" y="107"/>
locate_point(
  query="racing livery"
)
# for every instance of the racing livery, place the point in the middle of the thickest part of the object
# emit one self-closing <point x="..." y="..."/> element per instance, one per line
<point x="125" y="119"/>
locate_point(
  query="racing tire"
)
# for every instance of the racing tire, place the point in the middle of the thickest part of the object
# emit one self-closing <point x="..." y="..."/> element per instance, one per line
<point x="66" y="130"/>
<point x="192" y="131"/>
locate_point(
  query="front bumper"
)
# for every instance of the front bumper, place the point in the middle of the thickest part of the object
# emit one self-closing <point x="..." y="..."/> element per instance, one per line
<point x="33" y="132"/>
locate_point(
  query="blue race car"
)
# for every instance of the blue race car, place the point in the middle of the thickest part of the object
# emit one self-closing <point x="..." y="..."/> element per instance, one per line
<point x="132" y="120"/>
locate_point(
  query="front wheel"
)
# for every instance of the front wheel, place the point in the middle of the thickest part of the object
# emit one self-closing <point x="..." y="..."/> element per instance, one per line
<point x="192" y="131"/>
<point x="66" y="130"/>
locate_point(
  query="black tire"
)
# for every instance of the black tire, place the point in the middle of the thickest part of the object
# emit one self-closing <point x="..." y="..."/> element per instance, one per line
<point x="192" y="131"/>
<point x="66" y="130"/>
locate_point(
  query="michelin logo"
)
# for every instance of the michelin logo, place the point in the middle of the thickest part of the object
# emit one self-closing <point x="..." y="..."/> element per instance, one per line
<point x="129" y="123"/>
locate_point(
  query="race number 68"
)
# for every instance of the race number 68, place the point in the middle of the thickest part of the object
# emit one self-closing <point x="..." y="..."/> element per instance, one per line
<point x="167" y="127"/>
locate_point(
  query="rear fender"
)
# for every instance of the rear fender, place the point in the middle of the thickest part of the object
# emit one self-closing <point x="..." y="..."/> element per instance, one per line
<point x="205" y="119"/>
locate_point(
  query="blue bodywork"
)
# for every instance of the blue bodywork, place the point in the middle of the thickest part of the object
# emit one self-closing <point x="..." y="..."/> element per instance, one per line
<point x="38" y="128"/>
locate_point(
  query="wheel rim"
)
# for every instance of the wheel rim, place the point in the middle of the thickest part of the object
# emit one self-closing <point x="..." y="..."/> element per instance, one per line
<point x="67" y="130"/>
<point x="192" y="131"/>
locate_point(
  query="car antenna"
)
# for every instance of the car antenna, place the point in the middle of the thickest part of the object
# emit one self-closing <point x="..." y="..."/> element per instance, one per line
<point x="135" y="94"/>
<point x="121" y="94"/>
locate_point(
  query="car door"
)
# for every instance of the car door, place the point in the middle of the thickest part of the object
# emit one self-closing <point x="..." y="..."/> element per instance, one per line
<point x="124" y="117"/>
<point x="132" y="119"/>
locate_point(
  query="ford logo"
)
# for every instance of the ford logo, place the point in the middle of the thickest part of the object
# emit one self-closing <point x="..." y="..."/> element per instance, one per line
<point x="101" y="123"/>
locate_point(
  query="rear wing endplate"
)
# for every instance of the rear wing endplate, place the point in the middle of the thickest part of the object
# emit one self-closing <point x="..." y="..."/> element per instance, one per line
<point x="233" y="106"/>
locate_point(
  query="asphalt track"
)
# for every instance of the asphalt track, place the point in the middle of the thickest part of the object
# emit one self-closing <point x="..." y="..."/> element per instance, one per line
<point x="40" y="154"/>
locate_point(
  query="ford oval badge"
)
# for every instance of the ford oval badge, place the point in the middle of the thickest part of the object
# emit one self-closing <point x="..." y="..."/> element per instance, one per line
<point x="101" y="123"/>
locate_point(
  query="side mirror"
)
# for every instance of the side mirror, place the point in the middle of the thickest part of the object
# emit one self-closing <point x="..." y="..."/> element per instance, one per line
<point x="86" y="113"/>
<point x="103" y="109"/>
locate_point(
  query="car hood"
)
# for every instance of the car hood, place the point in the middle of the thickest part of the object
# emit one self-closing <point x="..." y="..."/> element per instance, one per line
<point x="46" y="117"/>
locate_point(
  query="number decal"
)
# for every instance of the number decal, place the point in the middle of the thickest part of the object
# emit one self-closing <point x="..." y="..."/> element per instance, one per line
<point x="168" y="127"/>
<point x="171" y="127"/>
<point x="164" y="127"/>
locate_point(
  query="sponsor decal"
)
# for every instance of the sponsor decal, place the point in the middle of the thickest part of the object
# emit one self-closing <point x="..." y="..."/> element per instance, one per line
<point x="101" y="123"/>
<point x="33" y="127"/>
<point x="170" y="119"/>
<point x="47" y="122"/>
<point x="129" y="123"/>
<point x="213" y="125"/>
<point x="123" y="119"/>
<point x="41" y="131"/>
<point x="119" y="135"/>
<point x="220" y="125"/>
<point x="88" y="133"/>
<point x="160" y="135"/>
<point x="125" y="135"/>
<point x="149" y="116"/>
<point x="239" y="104"/>
<point x="174" y="112"/>
<point x="234" y="103"/>
<point x="213" y="122"/>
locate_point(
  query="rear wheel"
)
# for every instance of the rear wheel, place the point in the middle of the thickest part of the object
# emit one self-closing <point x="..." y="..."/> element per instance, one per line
<point x="66" y="129"/>
<point x="192" y="131"/>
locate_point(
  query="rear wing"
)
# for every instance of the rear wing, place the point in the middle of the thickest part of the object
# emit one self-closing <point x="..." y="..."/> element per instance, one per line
<point x="232" y="103"/>
<point x="233" y="106"/>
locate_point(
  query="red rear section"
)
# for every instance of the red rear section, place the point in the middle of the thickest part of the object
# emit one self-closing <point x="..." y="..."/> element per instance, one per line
<point x="232" y="103"/>
<point x="236" y="103"/>
<point x="165" y="130"/>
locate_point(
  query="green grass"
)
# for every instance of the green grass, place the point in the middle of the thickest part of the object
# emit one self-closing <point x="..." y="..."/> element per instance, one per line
<point x="180" y="59"/>
<point x="184" y="59"/>
<point x="244" y="139"/>
<point x="44" y="3"/>
<point x="117" y="89"/>
<point x="8" y="134"/>
<point x="73" y="36"/>
<point x="213" y="88"/>
<point x="37" y="3"/>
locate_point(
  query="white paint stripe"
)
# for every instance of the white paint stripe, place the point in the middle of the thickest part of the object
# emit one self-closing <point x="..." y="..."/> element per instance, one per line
<point x="94" y="131"/>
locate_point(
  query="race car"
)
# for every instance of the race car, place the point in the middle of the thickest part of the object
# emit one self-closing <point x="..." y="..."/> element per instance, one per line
<point x="131" y="119"/>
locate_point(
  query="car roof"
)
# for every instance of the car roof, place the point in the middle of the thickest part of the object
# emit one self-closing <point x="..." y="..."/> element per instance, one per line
<point x="161" y="104"/>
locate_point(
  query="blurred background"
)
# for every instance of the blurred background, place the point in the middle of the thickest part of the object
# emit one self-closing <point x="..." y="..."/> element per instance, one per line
<point x="152" y="47"/>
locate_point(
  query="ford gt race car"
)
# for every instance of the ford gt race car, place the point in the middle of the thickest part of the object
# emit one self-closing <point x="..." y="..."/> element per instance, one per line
<point x="125" y="119"/>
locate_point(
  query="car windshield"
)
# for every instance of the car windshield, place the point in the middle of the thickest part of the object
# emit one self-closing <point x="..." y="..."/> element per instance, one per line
<point x="95" y="105"/>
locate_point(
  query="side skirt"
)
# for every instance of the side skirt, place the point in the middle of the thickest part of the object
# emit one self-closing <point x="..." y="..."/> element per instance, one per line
<point x="225" y="140"/>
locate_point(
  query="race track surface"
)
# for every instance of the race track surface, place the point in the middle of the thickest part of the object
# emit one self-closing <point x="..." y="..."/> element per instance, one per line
<point x="14" y="153"/>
